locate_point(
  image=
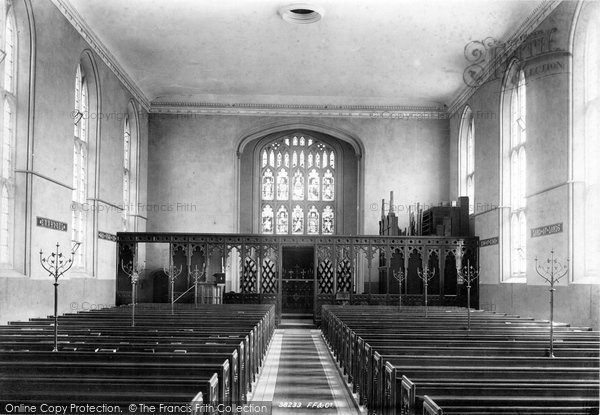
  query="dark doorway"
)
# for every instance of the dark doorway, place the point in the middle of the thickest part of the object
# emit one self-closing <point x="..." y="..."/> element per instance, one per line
<point x="160" y="283"/>
<point x="298" y="280"/>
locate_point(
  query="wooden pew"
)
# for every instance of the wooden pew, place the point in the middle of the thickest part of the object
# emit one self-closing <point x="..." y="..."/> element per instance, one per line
<point x="35" y="364"/>
<point x="75" y="394"/>
<point x="413" y="390"/>
<point x="174" y="352"/>
<point x="116" y="385"/>
<point x="404" y="396"/>
<point x="498" y="404"/>
<point x="368" y="343"/>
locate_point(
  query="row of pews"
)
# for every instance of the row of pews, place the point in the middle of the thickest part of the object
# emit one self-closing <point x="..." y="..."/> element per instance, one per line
<point x="416" y="360"/>
<point x="194" y="356"/>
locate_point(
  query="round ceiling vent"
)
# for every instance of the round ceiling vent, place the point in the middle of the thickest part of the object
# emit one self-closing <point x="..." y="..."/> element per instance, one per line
<point x="301" y="13"/>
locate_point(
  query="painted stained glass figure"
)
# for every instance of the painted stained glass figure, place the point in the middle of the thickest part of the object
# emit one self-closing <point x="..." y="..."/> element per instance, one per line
<point x="298" y="186"/>
<point x="298" y="220"/>
<point x="282" y="185"/>
<point x="313" y="221"/>
<point x="267" y="219"/>
<point x="328" y="188"/>
<point x="328" y="221"/>
<point x="267" y="189"/>
<point x="282" y="221"/>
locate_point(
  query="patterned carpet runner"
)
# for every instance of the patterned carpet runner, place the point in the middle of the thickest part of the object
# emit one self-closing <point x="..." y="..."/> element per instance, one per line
<point x="300" y="376"/>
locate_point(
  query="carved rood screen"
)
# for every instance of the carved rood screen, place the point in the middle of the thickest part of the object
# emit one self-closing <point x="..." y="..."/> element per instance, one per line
<point x="365" y="267"/>
<point x="297" y="182"/>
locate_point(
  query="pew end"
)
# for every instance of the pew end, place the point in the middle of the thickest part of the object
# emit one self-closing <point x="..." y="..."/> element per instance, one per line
<point x="430" y="407"/>
<point x="407" y="393"/>
<point x="196" y="404"/>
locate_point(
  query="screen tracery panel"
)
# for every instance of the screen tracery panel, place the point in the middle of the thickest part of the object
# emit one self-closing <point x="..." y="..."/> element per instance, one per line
<point x="297" y="179"/>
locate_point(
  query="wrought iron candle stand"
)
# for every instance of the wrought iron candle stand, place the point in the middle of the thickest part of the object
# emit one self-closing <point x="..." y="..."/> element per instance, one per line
<point x="400" y="276"/>
<point x="56" y="265"/>
<point x="468" y="274"/>
<point x="134" y="272"/>
<point x="197" y="275"/>
<point x="551" y="271"/>
<point x="172" y="272"/>
<point x="426" y="275"/>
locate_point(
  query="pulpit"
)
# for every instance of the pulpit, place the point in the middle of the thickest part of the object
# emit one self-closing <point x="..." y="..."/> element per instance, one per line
<point x="209" y="293"/>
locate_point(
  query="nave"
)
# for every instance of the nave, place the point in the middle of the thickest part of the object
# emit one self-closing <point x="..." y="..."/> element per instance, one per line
<point x="212" y="359"/>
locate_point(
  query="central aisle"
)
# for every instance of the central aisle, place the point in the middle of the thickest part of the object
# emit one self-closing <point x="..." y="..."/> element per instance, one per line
<point x="300" y="377"/>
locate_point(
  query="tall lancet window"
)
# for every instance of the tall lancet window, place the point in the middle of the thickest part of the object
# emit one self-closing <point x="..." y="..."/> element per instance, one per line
<point x="126" y="174"/>
<point x="80" y="162"/>
<point x="9" y="104"/>
<point x="467" y="157"/>
<point x="297" y="186"/>
<point x="586" y="146"/>
<point x="514" y="173"/>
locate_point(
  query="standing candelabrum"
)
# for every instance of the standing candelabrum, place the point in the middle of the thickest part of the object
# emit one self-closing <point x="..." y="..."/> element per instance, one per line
<point x="172" y="272"/>
<point x="56" y="265"/>
<point x="134" y="272"/>
<point x="400" y="276"/>
<point x="468" y="274"/>
<point x="552" y="270"/>
<point x="426" y="275"/>
<point x="197" y="275"/>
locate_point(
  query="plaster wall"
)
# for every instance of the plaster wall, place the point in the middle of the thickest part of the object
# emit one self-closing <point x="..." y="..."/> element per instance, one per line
<point x="548" y="100"/>
<point x="46" y="75"/>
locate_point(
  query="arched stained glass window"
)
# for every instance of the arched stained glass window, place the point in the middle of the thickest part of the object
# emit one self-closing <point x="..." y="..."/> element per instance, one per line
<point x="126" y="174"/>
<point x="467" y="157"/>
<point x="514" y="175"/>
<point x="585" y="155"/>
<point x="592" y="149"/>
<point x="299" y="198"/>
<point x="4" y="227"/>
<point x="9" y="101"/>
<point x="80" y="157"/>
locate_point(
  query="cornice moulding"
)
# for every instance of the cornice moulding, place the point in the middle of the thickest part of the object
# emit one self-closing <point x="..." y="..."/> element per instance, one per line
<point x="290" y="110"/>
<point x="97" y="46"/>
<point x="347" y="111"/>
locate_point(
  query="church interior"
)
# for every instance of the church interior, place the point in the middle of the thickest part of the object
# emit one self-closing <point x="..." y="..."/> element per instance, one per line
<point x="335" y="207"/>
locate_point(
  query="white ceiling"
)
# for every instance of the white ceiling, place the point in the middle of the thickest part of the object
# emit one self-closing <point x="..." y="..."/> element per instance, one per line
<point x="363" y="52"/>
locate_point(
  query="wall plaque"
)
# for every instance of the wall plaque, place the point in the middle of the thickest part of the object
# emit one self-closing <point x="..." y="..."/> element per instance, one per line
<point x="51" y="224"/>
<point x="107" y="236"/>
<point x="488" y="242"/>
<point x="547" y="230"/>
